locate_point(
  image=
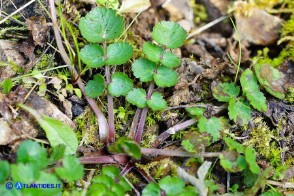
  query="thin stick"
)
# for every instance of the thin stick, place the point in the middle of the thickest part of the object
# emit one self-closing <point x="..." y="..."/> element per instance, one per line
<point x="172" y="130"/>
<point x="16" y="11"/>
<point x="103" y="125"/>
<point x="177" y="153"/>
<point x="207" y="26"/>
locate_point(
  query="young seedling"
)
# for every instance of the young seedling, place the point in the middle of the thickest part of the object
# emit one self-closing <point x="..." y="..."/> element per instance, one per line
<point x="101" y="26"/>
<point x="157" y="69"/>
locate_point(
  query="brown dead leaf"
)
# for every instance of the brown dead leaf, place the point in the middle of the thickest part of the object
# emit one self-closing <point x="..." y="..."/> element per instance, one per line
<point x="39" y="30"/>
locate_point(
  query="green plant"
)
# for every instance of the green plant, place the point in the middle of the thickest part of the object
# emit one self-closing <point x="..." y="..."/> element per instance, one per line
<point x="34" y="168"/>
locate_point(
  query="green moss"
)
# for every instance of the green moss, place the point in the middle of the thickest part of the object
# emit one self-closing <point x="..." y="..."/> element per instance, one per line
<point x="44" y="62"/>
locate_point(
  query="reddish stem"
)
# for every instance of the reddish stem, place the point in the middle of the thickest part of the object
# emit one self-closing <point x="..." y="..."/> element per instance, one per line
<point x="141" y="124"/>
<point x="120" y="159"/>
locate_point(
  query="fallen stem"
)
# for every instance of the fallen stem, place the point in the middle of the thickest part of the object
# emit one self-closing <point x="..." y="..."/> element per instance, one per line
<point x="141" y="124"/>
<point x="119" y="159"/>
<point x="134" y="125"/>
<point x="172" y="130"/>
<point x="103" y="125"/>
<point x="288" y="185"/>
<point x="177" y="153"/>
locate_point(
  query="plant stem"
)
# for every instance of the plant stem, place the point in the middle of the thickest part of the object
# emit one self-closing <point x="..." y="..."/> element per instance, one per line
<point x="103" y="125"/>
<point x="177" y="153"/>
<point x="141" y="124"/>
<point x="120" y="159"/>
<point x="172" y="130"/>
<point x="134" y="125"/>
<point x="111" y="132"/>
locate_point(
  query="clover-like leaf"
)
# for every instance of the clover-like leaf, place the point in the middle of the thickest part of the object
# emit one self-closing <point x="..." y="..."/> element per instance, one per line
<point x="152" y="52"/>
<point x="101" y="24"/>
<point x="170" y="60"/>
<point x="224" y="91"/>
<point x="251" y="90"/>
<point x="144" y="69"/>
<point x="92" y="55"/>
<point x="137" y="97"/>
<point x="119" y="53"/>
<point x="156" y="102"/>
<point x="211" y="126"/>
<point x="95" y="87"/>
<point x="250" y="156"/>
<point x="165" y="77"/>
<point x="171" y="185"/>
<point x="170" y="34"/>
<point x="239" y="111"/>
<point x="121" y="84"/>
<point x="271" y="79"/>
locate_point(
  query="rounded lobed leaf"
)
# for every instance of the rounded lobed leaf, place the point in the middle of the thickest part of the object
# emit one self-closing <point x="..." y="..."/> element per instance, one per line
<point x="165" y="77"/>
<point x="119" y="53"/>
<point x="95" y="87"/>
<point x="121" y="84"/>
<point x="144" y="69"/>
<point x="224" y="91"/>
<point x="137" y="97"/>
<point x="170" y="34"/>
<point x="170" y="60"/>
<point x="271" y="79"/>
<point x="211" y="126"/>
<point x="171" y="185"/>
<point x="250" y="156"/>
<point x="101" y="24"/>
<point x="92" y="55"/>
<point x="156" y="102"/>
<point x="152" y="52"/>
<point x="239" y="111"/>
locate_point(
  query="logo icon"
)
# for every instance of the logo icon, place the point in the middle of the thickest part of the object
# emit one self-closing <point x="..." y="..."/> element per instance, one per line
<point x="9" y="185"/>
<point x="18" y="185"/>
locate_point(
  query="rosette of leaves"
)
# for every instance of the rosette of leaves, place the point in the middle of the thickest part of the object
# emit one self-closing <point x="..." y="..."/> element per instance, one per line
<point x="101" y="26"/>
<point x="158" y="64"/>
<point x="240" y="107"/>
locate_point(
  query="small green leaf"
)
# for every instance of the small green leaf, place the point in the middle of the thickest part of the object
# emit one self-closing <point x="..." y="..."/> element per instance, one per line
<point x="126" y="145"/>
<point x="7" y="85"/>
<point x="99" y="189"/>
<point x="32" y="152"/>
<point x="5" y="169"/>
<point x="188" y="146"/>
<point x="101" y="24"/>
<point x="119" y="53"/>
<point x="58" y="152"/>
<point x="156" y="102"/>
<point x="137" y="97"/>
<point x="170" y="60"/>
<point x="195" y="111"/>
<point x="231" y="161"/>
<point x="144" y="69"/>
<point x="165" y="77"/>
<point x="24" y="173"/>
<point x="72" y="169"/>
<point x="171" y="185"/>
<point x="121" y="84"/>
<point x="233" y="145"/>
<point x="152" y="52"/>
<point x="250" y="156"/>
<point x="211" y="126"/>
<point x="95" y="87"/>
<point x="151" y="189"/>
<point x="251" y="90"/>
<point x="169" y="34"/>
<point x="92" y="55"/>
<point x="56" y="131"/>
<point x="224" y="91"/>
<point x="271" y="79"/>
<point x="110" y="171"/>
<point x="239" y="111"/>
<point x="272" y="193"/>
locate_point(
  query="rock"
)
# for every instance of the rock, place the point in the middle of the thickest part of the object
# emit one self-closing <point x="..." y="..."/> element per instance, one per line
<point x="13" y="58"/>
<point x="7" y="135"/>
<point x="258" y="27"/>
